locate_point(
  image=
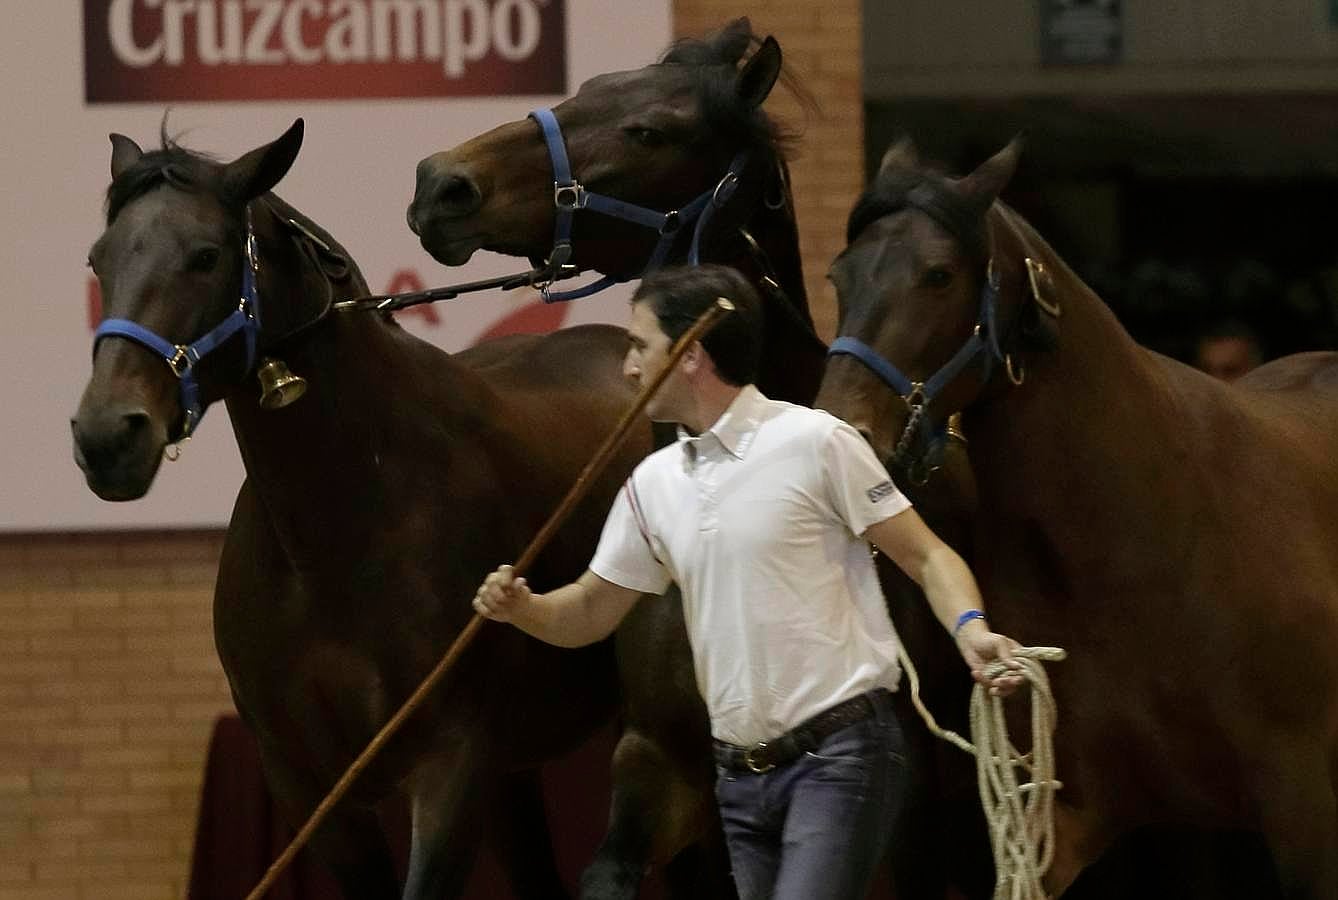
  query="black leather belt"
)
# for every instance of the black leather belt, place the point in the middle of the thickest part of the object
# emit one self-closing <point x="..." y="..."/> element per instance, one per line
<point x="805" y="737"/>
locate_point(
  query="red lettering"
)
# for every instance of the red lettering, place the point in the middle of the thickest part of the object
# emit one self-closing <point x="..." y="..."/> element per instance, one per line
<point x="405" y="281"/>
<point x="533" y="318"/>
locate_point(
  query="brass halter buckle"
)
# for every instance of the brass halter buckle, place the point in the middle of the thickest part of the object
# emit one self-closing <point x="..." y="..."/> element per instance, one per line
<point x="180" y="363"/>
<point x="753" y="765"/>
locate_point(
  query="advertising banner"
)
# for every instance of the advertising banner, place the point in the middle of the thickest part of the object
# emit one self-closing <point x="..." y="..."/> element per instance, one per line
<point x="380" y="84"/>
<point x="161" y="50"/>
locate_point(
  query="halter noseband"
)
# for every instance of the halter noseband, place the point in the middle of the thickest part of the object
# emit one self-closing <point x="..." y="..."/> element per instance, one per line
<point x="569" y="196"/>
<point x="183" y="358"/>
<point x="983" y="342"/>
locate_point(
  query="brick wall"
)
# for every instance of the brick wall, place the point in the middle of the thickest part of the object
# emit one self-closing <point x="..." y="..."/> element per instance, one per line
<point x="821" y="45"/>
<point x="108" y="688"/>
<point x="108" y="678"/>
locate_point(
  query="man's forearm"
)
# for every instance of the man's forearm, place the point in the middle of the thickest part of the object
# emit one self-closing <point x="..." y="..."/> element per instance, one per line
<point x="580" y="613"/>
<point x="949" y="586"/>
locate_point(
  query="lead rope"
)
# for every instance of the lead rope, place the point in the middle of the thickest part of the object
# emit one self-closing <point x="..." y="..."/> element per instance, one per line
<point x="1020" y="814"/>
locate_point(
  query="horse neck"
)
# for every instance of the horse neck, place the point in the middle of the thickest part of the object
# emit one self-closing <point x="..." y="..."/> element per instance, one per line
<point x="777" y="234"/>
<point x="319" y="459"/>
<point x="1083" y="443"/>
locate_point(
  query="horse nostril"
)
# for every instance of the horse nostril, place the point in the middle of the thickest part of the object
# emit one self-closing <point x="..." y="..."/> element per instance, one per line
<point x="136" y="423"/>
<point x="412" y="219"/>
<point x="867" y="434"/>
<point x="458" y="195"/>
<point x="107" y="441"/>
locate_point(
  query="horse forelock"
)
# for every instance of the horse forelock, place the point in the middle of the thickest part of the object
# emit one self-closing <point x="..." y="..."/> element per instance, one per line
<point x="714" y="62"/>
<point x="724" y="47"/>
<point x="931" y="195"/>
<point x="183" y="169"/>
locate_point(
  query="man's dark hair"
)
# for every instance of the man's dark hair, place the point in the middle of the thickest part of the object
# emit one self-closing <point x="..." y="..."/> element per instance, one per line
<point x="678" y="295"/>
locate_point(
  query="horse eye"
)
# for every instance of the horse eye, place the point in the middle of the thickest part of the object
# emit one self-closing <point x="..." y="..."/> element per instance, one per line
<point x="646" y="137"/>
<point x="937" y="278"/>
<point x="204" y="260"/>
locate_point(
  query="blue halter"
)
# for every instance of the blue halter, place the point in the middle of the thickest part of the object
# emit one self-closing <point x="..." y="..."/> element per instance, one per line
<point x="983" y="344"/>
<point x="183" y="358"/>
<point x="569" y="196"/>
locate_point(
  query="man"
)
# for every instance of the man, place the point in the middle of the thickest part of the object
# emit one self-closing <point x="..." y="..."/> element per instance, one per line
<point x="760" y="512"/>
<point x="1228" y="349"/>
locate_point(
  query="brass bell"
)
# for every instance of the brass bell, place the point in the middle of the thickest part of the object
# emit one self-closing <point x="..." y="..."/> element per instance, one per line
<point x="278" y="386"/>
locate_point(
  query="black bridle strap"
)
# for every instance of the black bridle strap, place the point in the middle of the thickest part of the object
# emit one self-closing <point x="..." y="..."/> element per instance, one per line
<point x="393" y="302"/>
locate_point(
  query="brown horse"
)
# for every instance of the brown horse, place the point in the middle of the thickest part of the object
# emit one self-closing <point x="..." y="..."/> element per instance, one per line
<point x="660" y="137"/>
<point x="1175" y="534"/>
<point x="372" y="508"/>
<point x="685" y="131"/>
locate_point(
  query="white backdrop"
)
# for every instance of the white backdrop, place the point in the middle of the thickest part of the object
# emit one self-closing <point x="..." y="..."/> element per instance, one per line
<point x="55" y="172"/>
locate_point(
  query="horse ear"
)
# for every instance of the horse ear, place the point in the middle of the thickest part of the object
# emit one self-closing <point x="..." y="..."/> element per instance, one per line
<point x="256" y="172"/>
<point x="125" y="153"/>
<point x="986" y="183"/>
<point x="760" y="73"/>
<point x="733" y="40"/>
<point x="901" y="155"/>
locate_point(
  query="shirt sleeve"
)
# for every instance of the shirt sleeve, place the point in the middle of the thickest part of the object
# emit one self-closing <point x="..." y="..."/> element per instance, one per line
<point x="861" y="491"/>
<point x="625" y="555"/>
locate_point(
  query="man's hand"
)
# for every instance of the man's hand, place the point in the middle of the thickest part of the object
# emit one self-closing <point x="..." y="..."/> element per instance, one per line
<point x="503" y="597"/>
<point x="980" y="646"/>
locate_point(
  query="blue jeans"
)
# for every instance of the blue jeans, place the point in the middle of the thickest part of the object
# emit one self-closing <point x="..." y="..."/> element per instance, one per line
<point x="816" y="829"/>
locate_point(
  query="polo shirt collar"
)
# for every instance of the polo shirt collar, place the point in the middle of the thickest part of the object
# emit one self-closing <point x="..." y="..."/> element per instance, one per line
<point x="736" y="427"/>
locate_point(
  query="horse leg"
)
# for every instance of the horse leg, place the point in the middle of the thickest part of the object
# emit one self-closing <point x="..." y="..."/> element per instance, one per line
<point x="350" y="842"/>
<point x="656" y="811"/>
<point x="702" y="869"/>
<point x="448" y="801"/>
<point x="520" y="835"/>
<point x="1300" y="824"/>
<point x="1078" y="843"/>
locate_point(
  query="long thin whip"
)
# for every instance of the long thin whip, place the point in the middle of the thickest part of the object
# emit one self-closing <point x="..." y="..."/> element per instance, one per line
<point x="597" y="463"/>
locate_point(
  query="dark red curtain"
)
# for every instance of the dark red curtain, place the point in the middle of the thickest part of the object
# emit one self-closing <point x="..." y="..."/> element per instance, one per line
<point x="240" y="831"/>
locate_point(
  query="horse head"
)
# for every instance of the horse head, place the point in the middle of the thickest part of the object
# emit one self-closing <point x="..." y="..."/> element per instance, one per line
<point x="934" y="296"/>
<point x="176" y="265"/>
<point x="640" y="146"/>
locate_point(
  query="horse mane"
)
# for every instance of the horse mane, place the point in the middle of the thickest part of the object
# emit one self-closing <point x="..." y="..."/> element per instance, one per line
<point x="927" y="191"/>
<point x="715" y="60"/>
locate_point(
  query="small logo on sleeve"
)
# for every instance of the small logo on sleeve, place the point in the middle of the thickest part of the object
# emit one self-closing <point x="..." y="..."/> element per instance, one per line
<point x="880" y="491"/>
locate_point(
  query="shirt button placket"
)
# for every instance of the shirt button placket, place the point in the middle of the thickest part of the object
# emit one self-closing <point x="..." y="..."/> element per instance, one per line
<point x="706" y="492"/>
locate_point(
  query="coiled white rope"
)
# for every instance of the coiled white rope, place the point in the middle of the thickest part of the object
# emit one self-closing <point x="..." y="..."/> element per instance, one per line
<point x="1020" y="814"/>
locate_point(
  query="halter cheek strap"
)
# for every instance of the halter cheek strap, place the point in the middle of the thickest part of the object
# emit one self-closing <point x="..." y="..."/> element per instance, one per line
<point x="183" y="358"/>
<point x="983" y="344"/>
<point x="570" y="196"/>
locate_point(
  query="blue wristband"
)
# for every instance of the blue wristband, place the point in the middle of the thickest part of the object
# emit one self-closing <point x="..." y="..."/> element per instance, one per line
<point x="966" y="617"/>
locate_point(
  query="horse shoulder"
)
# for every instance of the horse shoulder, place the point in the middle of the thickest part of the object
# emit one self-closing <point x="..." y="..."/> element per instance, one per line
<point x="1300" y="371"/>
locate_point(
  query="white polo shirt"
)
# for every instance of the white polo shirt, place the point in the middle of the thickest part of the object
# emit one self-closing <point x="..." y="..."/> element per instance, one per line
<point x="758" y="521"/>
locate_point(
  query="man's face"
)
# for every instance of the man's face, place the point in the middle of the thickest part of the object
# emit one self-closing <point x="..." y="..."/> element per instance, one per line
<point x="1227" y="358"/>
<point x="647" y="353"/>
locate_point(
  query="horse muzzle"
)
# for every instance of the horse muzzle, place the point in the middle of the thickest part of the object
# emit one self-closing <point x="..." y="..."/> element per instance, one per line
<point x="445" y="194"/>
<point x="118" y="450"/>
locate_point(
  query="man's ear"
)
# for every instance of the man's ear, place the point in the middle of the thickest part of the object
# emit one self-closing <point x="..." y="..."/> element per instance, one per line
<point x="694" y="358"/>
